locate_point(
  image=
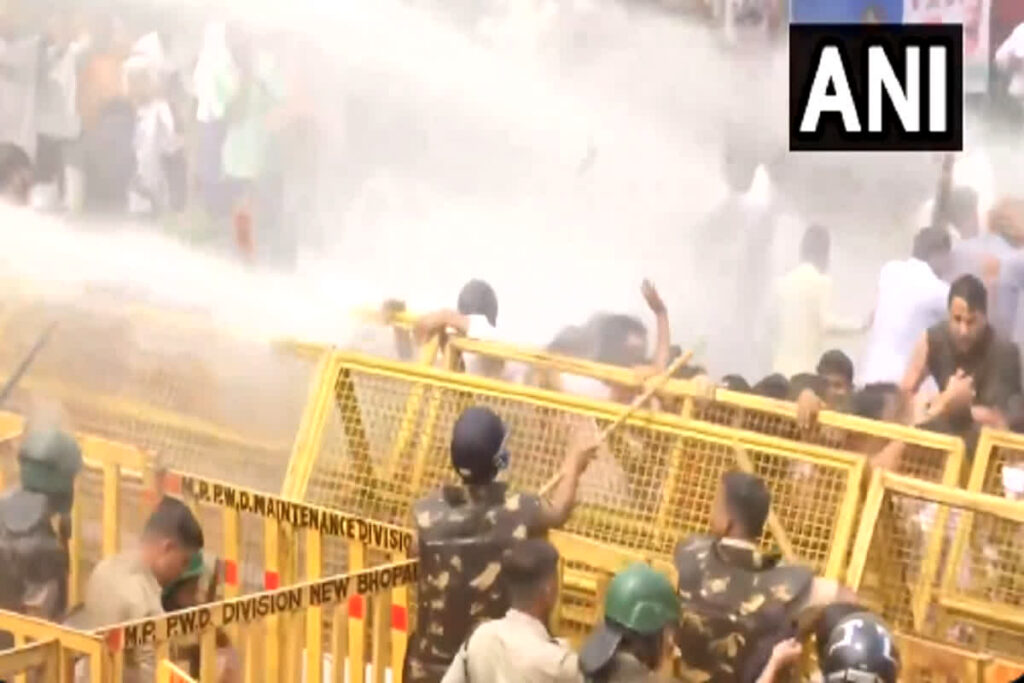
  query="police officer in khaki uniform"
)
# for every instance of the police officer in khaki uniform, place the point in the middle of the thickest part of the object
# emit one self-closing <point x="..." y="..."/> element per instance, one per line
<point x="462" y="532"/>
<point x="34" y="561"/>
<point x="735" y="600"/>
<point x="129" y="586"/>
<point x="635" y="642"/>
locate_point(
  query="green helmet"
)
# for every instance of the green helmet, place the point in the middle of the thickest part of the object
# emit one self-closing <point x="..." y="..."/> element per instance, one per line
<point x="49" y="460"/>
<point x="640" y="600"/>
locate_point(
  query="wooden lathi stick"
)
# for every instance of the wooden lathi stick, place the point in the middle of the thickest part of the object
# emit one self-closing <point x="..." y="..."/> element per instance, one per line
<point x="654" y="384"/>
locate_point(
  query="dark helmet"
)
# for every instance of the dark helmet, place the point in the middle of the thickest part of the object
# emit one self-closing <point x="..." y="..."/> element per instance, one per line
<point x="49" y="459"/>
<point x="478" y="445"/>
<point x="860" y="648"/>
<point x="478" y="298"/>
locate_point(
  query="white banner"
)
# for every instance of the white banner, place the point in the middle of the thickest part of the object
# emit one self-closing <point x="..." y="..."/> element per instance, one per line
<point x="974" y="15"/>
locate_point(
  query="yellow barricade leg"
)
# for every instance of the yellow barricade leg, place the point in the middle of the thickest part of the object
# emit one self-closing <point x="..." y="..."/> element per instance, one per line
<point x="314" y="615"/>
<point x="356" y="618"/>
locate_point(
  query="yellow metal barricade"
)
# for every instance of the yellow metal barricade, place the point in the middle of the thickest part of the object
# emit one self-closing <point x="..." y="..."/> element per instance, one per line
<point x="295" y="531"/>
<point x="109" y="505"/>
<point x="654" y="484"/>
<point x="926" y="455"/>
<point x="943" y="563"/>
<point x="39" y="660"/>
<point x="48" y="650"/>
<point x="252" y="620"/>
<point x="168" y="672"/>
<point x="996" y="450"/>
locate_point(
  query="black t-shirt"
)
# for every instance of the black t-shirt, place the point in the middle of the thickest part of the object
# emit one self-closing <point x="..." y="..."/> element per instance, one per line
<point x="994" y="363"/>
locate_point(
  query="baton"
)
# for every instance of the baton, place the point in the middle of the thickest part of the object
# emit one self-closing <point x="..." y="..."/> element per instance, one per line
<point x="26" y="362"/>
<point x="656" y="383"/>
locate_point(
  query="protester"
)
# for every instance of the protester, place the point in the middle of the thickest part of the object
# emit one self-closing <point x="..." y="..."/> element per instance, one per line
<point x="803" y="301"/>
<point x="15" y="174"/>
<point x="911" y="298"/>
<point x="463" y="530"/>
<point x="155" y="139"/>
<point x="19" y="82"/>
<point x="519" y="647"/>
<point x="978" y="370"/>
<point x="994" y="257"/>
<point x="836" y="368"/>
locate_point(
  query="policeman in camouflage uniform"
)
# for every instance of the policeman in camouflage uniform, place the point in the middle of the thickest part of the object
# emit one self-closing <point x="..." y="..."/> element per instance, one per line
<point x="462" y="532"/>
<point x="34" y="560"/>
<point x="641" y="611"/>
<point x="736" y="601"/>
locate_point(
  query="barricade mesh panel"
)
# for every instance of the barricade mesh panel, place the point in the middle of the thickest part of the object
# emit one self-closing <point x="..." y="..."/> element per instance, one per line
<point x="388" y="445"/>
<point x="200" y="399"/>
<point x="1000" y="457"/>
<point x="918" y="460"/>
<point x="987" y="571"/>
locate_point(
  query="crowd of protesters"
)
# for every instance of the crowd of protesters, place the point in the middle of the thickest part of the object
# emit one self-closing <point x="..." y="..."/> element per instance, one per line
<point x="943" y="340"/>
<point x="113" y="111"/>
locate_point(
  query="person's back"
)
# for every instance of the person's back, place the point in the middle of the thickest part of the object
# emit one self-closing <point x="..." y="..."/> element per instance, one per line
<point x="800" y="325"/>
<point x="34" y="561"/>
<point x="462" y="532"/>
<point x="734" y="599"/>
<point x="119" y="589"/>
<point x="911" y="298"/>
<point x="519" y="647"/>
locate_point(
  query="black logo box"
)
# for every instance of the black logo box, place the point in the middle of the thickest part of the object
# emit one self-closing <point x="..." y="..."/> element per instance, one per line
<point x="806" y="42"/>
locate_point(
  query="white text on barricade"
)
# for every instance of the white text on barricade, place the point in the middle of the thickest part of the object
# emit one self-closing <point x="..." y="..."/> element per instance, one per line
<point x="260" y="605"/>
<point x="299" y="515"/>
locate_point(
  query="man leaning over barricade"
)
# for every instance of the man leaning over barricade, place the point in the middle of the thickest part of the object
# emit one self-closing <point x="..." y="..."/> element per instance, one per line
<point x="462" y="532"/>
<point x="129" y="586"/>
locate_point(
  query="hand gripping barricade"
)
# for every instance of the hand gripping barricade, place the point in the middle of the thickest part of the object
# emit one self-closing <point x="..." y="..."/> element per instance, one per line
<point x="943" y="566"/>
<point x="384" y="435"/>
<point x="926" y="455"/>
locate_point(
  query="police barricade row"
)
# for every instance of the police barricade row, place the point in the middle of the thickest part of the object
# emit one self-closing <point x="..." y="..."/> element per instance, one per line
<point x="944" y="564"/>
<point x="262" y="619"/>
<point x="243" y="633"/>
<point x="926" y="455"/>
<point x="113" y="496"/>
<point x="652" y="484"/>
<point x="295" y="531"/>
<point x="179" y="385"/>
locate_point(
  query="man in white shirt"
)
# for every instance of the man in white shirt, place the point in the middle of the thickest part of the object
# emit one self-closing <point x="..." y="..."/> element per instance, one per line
<point x="802" y="300"/>
<point x="518" y="648"/>
<point x="911" y="298"/>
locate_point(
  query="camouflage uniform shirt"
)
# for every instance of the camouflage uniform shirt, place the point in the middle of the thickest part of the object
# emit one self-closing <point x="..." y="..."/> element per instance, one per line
<point x="461" y="539"/>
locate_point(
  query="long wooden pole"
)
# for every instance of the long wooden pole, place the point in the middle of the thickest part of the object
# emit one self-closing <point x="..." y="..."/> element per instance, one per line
<point x="654" y="384"/>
